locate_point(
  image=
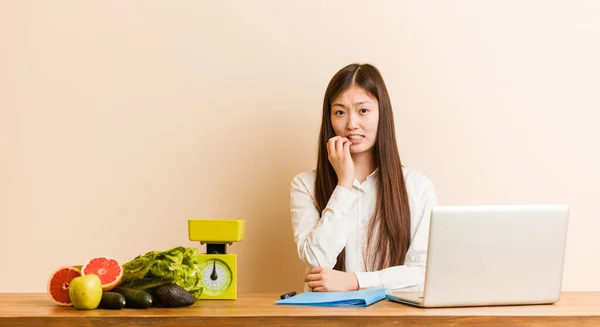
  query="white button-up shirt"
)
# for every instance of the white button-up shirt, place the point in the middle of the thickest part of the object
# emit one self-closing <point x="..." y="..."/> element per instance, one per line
<point x="320" y="237"/>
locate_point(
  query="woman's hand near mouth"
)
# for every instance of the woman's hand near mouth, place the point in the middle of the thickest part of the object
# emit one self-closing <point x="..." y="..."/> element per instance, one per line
<point x="338" y="149"/>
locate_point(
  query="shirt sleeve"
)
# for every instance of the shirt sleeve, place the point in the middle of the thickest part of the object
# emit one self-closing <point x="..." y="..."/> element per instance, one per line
<point x="319" y="237"/>
<point x="409" y="277"/>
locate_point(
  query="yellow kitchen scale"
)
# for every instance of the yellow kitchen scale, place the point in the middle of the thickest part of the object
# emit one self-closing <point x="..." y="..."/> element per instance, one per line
<point x="219" y="269"/>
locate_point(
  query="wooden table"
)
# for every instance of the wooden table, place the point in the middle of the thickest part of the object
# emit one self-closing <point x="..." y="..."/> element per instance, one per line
<point x="258" y="309"/>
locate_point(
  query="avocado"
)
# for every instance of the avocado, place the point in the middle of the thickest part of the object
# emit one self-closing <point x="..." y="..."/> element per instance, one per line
<point x="172" y="296"/>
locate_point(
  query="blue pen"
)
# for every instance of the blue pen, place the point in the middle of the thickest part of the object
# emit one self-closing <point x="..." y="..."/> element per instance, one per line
<point x="287" y="295"/>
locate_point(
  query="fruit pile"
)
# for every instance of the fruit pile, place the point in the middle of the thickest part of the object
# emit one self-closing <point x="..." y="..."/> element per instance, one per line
<point x="96" y="285"/>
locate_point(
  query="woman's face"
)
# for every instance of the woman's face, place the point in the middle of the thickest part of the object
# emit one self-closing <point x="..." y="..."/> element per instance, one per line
<point x="355" y="116"/>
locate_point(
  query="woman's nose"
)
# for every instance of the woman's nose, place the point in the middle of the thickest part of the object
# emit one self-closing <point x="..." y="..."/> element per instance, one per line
<point x="352" y="122"/>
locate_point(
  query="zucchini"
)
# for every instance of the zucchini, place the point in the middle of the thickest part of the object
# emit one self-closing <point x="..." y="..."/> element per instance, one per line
<point x="112" y="300"/>
<point x="137" y="299"/>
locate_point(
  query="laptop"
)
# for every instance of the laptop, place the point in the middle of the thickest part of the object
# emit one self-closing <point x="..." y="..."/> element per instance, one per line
<point x="492" y="255"/>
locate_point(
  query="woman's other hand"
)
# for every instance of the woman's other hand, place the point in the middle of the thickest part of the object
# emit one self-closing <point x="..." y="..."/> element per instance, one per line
<point x="329" y="280"/>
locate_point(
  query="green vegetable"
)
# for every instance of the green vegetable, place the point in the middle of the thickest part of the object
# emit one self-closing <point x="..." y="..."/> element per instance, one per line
<point x="135" y="298"/>
<point x="112" y="300"/>
<point x="179" y="266"/>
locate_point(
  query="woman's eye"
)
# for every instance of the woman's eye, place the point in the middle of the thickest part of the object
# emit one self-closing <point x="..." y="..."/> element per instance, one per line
<point x="364" y="111"/>
<point x="339" y="112"/>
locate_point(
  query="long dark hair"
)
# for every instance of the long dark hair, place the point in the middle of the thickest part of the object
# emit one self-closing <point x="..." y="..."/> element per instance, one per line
<point x="391" y="220"/>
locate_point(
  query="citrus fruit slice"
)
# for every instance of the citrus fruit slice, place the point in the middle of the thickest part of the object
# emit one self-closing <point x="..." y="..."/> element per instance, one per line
<point x="58" y="285"/>
<point x="108" y="269"/>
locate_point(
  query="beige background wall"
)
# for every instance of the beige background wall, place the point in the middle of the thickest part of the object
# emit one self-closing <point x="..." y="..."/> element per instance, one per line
<point x="119" y="120"/>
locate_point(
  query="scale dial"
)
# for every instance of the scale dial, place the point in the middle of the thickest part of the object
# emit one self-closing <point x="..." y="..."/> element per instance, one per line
<point x="216" y="277"/>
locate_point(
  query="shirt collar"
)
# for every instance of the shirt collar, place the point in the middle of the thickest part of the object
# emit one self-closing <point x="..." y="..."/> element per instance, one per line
<point x="367" y="181"/>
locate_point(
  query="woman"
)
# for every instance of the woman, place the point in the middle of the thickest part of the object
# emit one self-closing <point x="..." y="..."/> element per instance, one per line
<point x="361" y="220"/>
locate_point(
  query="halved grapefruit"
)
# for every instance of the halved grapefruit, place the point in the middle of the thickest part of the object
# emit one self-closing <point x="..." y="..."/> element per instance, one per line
<point x="58" y="285"/>
<point x="108" y="269"/>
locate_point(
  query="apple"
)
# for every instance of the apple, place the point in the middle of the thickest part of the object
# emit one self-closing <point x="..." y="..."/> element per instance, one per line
<point x="85" y="292"/>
